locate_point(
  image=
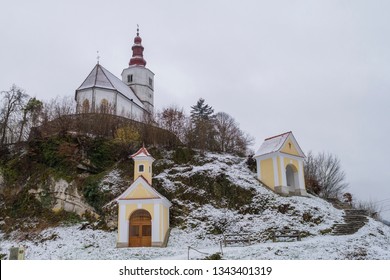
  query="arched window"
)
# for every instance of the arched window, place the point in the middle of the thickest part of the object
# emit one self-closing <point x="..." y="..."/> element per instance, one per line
<point x="85" y="107"/>
<point x="141" y="168"/>
<point x="104" y="106"/>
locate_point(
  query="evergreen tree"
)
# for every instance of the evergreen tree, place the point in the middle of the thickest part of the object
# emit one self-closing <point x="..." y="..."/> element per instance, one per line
<point x="201" y="111"/>
<point x="202" y="134"/>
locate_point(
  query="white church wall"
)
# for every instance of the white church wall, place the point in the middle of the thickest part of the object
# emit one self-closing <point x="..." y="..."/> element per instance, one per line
<point x="101" y="94"/>
<point x="141" y="84"/>
<point x="128" y="109"/>
<point x="81" y="96"/>
<point x="140" y="74"/>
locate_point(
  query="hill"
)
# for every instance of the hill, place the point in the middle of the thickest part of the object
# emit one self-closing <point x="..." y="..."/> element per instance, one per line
<point x="211" y="194"/>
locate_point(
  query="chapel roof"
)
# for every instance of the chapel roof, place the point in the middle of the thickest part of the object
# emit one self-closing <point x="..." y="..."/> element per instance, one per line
<point x="141" y="179"/>
<point x="100" y="77"/>
<point x="142" y="152"/>
<point x="275" y="144"/>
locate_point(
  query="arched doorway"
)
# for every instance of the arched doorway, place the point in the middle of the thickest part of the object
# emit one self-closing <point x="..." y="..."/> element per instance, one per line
<point x="140" y="231"/>
<point x="292" y="176"/>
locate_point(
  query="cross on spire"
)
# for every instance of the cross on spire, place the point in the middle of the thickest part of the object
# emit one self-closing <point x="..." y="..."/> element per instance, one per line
<point x="138" y="49"/>
<point x="97" y="57"/>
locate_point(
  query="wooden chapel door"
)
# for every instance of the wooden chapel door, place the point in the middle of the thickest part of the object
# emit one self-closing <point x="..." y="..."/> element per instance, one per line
<point x="140" y="231"/>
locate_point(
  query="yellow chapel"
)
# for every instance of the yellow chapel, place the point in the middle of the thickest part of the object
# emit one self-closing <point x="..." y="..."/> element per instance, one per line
<point x="143" y="213"/>
<point x="280" y="165"/>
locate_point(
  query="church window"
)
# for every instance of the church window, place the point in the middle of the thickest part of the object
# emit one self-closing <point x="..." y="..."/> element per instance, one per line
<point x="289" y="145"/>
<point x="141" y="168"/>
<point x="85" y="107"/>
<point x="104" y="106"/>
<point x="129" y="78"/>
<point x="150" y="82"/>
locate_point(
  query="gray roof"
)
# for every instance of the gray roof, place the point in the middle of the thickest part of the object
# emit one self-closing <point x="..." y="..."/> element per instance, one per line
<point x="100" y="77"/>
<point x="275" y="144"/>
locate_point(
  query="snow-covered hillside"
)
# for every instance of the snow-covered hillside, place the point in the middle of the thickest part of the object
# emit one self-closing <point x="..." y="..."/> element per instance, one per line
<point x="204" y="209"/>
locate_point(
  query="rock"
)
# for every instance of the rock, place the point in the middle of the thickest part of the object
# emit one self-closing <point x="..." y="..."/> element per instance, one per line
<point x="66" y="197"/>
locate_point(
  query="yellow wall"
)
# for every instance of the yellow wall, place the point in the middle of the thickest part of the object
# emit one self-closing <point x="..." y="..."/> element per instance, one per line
<point x="286" y="148"/>
<point x="147" y="173"/>
<point x="140" y="192"/>
<point x="267" y="172"/>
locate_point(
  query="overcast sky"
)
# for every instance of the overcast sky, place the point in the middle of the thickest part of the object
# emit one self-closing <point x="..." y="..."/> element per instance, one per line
<point x="318" y="68"/>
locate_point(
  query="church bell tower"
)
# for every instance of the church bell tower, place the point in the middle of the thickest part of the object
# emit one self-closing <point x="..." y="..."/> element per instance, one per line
<point x="139" y="78"/>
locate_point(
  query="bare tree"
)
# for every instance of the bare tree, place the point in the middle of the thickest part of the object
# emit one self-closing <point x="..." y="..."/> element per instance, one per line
<point x="11" y="103"/>
<point x="324" y="176"/>
<point x="229" y="137"/>
<point x="373" y="209"/>
<point x="174" y="120"/>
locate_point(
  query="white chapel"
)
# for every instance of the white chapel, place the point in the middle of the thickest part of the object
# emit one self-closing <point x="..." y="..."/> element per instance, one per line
<point x="131" y="97"/>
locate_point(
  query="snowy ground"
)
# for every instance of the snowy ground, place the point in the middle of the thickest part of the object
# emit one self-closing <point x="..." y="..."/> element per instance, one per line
<point x="370" y="242"/>
<point x="311" y="215"/>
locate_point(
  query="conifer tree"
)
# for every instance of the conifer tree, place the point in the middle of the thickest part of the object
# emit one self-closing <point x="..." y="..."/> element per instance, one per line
<point x="201" y="111"/>
<point x="202" y="134"/>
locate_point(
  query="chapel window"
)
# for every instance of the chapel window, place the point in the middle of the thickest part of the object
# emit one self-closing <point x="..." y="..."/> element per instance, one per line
<point x="141" y="168"/>
<point x="85" y="107"/>
<point x="129" y="78"/>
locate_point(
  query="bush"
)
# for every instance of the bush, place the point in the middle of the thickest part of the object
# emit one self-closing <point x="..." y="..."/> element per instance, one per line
<point x="215" y="256"/>
<point x="183" y="155"/>
<point x="92" y="193"/>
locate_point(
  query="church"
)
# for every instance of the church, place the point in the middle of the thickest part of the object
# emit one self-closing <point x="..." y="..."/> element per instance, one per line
<point x="131" y="97"/>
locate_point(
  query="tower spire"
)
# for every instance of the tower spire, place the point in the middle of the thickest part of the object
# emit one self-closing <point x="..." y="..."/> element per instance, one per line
<point x="138" y="51"/>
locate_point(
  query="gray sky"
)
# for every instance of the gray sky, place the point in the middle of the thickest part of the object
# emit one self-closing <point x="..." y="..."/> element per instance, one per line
<point x="318" y="68"/>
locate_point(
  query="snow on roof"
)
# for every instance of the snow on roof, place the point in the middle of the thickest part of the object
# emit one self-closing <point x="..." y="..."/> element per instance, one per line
<point x="272" y="144"/>
<point x="102" y="78"/>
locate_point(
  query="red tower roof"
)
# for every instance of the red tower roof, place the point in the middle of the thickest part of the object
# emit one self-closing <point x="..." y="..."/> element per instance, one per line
<point x="138" y="52"/>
